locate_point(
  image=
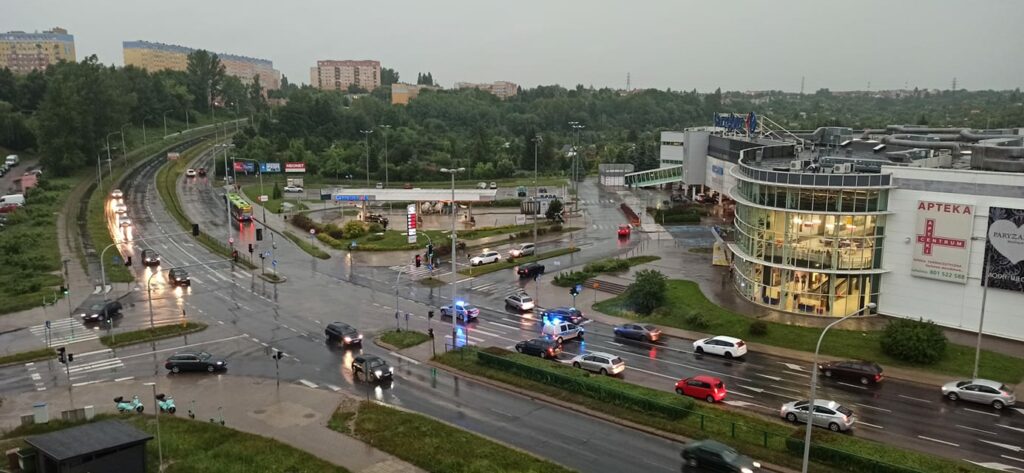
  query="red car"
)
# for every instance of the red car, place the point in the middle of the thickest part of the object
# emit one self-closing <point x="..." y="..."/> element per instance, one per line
<point x="708" y="388"/>
<point x="623" y="231"/>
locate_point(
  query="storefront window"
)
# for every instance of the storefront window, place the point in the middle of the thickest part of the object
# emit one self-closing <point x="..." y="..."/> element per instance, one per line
<point x="804" y="291"/>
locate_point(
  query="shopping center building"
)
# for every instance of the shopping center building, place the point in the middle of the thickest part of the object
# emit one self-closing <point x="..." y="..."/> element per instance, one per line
<point x="830" y="221"/>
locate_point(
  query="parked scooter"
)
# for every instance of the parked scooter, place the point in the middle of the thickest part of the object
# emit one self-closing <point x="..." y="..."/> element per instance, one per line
<point x="166" y="403"/>
<point x="134" y="405"/>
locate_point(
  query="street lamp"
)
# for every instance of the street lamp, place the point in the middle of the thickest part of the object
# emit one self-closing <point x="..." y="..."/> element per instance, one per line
<point x="165" y="123"/>
<point x="814" y="382"/>
<point x="537" y="140"/>
<point x="385" y="127"/>
<point x="124" y="149"/>
<point x="455" y="275"/>
<point x="366" y="134"/>
<point x="107" y="140"/>
<point x="159" y="444"/>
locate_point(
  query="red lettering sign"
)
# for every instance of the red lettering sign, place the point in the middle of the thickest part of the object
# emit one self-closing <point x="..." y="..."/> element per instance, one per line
<point x="294" y="167"/>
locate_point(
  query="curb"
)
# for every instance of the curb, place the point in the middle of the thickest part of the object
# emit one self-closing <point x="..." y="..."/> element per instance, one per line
<point x="280" y="279"/>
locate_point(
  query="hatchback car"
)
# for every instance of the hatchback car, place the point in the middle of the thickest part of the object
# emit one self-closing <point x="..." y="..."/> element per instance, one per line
<point x="373" y="368"/>
<point x="982" y="391"/>
<point x="101" y="311"/>
<point x="540" y="346"/>
<point x="150" y="257"/>
<point x="728" y="347"/>
<point x="828" y="414"/>
<point x="568" y="314"/>
<point x="561" y="331"/>
<point x="465" y="312"/>
<point x="486" y="257"/>
<point x="598" y="362"/>
<point x="863" y="372"/>
<point x="194" y="361"/>
<point x="709" y="455"/>
<point x="519" y="301"/>
<point x="494" y="185"/>
<point x="647" y="333"/>
<point x="526" y="249"/>
<point x="708" y="388"/>
<point x="190" y="172"/>
<point x="623" y="231"/>
<point x="530" y="270"/>
<point x="345" y="333"/>
<point x="178" y="277"/>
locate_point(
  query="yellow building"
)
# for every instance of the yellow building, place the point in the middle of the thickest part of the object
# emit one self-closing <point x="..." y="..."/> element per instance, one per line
<point x="402" y="93"/>
<point x="24" y="52"/>
<point x="159" y="56"/>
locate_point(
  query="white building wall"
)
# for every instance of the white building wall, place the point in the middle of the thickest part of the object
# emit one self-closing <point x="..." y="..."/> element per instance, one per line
<point x="947" y="303"/>
<point x="695" y="152"/>
<point x="671" y="148"/>
<point x="718" y="175"/>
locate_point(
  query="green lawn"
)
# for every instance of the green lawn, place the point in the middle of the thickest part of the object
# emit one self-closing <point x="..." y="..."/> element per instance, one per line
<point x="252" y="192"/>
<point x="433" y="445"/>
<point x="403" y="339"/>
<point x="500" y="265"/>
<point x="391" y="240"/>
<point x="306" y="246"/>
<point x="685" y="298"/>
<point x="27" y="356"/>
<point x="149" y="335"/>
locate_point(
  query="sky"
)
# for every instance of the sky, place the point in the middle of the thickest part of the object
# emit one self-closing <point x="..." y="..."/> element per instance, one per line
<point x="677" y="44"/>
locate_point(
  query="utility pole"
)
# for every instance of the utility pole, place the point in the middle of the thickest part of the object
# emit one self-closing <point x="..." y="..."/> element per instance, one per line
<point x="537" y="140"/>
<point x="455" y="275"/>
<point x="366" y="135"/>
<point x="124" y="149"/>
<point x="385" y="127"/>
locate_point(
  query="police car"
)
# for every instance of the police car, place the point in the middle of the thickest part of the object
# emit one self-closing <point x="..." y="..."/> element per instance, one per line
<point x="560" y="330"/>
<point x="466" y="312"/>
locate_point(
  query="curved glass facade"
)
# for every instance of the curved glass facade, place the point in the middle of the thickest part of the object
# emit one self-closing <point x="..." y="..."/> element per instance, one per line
<point x="811" y="250"/>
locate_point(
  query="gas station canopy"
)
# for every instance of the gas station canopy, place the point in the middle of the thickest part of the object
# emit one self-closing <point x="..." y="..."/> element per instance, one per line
<point x="412" y="195"/>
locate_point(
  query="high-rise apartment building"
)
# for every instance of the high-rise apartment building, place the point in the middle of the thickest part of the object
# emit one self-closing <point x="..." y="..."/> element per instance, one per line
<point x="501" y="89"/>
<point x="339" y="75"/>
<point x="24" y="52"/>
<point x="159" y="56"/>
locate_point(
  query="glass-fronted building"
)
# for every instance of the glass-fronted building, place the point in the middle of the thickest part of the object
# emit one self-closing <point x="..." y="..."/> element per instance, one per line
<point x="808" y="242"/>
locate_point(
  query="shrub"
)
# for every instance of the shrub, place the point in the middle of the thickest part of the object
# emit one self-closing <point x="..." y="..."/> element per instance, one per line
<point x="376" y="227"/>
<point x="303" y="221"/>
<point x="334" y="231"/>
<point x="354" y="229"/>
<point x="916" y="341"/>
<point x="697" y="320"/>
<point x="758" y="328"/>
<point x="648" y="291"/>
<point x="572" y="278"/>
<point x="276" y="193"/>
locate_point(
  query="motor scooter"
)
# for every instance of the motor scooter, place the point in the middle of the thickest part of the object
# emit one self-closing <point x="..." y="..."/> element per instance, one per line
<point x="128" y="406"/>
<point x="166" y="403"/>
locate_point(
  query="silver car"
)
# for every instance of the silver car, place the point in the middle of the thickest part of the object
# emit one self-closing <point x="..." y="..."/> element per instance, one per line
<point x="828" y="414"/>
<point x="598" y="362"/>
<point x="982" y="391"/>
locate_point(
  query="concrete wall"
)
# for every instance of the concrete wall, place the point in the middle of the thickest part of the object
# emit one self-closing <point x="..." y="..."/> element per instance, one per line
<point x="695" y="152"/>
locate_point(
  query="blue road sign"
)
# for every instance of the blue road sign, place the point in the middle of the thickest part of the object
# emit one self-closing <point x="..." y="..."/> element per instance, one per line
<point x="579" y="288"/>
<point x="273" y="263"/>
<point x="117" y="259"/>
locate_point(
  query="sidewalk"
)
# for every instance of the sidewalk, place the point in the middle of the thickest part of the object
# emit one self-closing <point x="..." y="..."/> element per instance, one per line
<point x="293" y="414"/>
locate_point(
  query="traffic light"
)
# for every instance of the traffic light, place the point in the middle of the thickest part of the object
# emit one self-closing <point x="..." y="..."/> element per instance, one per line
<point x="60" y="354"/>
<point x="71" y="357"/>
<point x="128" y="261"/>
<point x="430" y="314"/>
<point x="278" y="354"/>
<point x="64" y="290"/>
<point x="259" y="234"/>
<point x="574" y="291"/>
<point x="250" y="248"/>
<point x="234" y="255"/>
<point x="195" y="229"/>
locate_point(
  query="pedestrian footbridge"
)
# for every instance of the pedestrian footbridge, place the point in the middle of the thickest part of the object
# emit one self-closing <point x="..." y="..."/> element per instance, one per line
<point x="654" y="177"/>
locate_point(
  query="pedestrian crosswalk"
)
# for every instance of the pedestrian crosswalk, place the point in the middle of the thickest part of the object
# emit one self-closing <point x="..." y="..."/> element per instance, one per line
<point x="63" y="331"/>
<point x="415" y="274"/>
<point x="102" y="289"/>
<point x="100" y="361"/>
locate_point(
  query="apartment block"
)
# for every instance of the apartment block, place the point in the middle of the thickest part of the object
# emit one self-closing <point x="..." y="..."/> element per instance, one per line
<point x="402" y="93"/>
<point x="339" y="75"/>
<point x="23" y="52"/>
<point x="501" y="89"/>
<point x="159" y="56"/>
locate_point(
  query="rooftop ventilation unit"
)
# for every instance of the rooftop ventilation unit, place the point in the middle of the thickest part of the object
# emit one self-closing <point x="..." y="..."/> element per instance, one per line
<point x="844" y="168"/>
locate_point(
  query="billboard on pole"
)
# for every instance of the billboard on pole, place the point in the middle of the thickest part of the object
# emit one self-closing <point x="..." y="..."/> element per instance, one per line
<point x="1004" y="249"/>
<point x="410" y="222"/>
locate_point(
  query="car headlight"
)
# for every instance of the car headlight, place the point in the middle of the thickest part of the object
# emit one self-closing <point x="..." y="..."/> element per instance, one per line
<point x="746" y="470"/>
<point x="391" y="369"/>
<point x="220" y="363"/>
<point x="347" y="339"/>
<point x="757" y="465"/>
<point x="378" y="373"/>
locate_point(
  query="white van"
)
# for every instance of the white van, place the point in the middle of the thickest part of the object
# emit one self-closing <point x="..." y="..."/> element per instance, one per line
<point x="12" y="160"/>
<point x="15" y="199"/>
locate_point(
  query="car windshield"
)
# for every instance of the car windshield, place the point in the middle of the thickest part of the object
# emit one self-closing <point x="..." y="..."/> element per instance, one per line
<point x="729" y="455"/>
<point x="96" y="307"/>
<point x="469" y="307"/>
<point x="616" y="360"/>
<point x="526" y="299"/>
<point x="348" y="330"/>
<point x="375" y="363"/>
<point x="962" y="384"/>
<point x="204" y="356"/>
<point x="844" y="411"/>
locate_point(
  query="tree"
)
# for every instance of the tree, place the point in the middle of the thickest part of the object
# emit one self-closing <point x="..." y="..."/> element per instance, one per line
<point x="424" y="79"/>
<point x="388" y="76"/>
<point x="554" y="209"/>
<point x="276" y="193"/>
<point x="647" y="291"/>
<point x="8" y="86"/>
<point x="205" y="78"/>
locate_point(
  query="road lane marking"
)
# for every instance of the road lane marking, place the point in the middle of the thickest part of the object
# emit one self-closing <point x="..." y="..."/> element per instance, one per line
<point x="1010" y="427"/>
<point x="126" y="378"/>
<point x="869" y="425"/>
<point x="786" y="389"/>
<point x="125" y="357"/>
<point x="403" y="357"/>
<point x="97" y="352"/>
<point x="981" y="412"/>
<point x="308" y="384"/>
<point x="656" y="374"/>
<point x="1007" y="446"/>
<point x="873" y="407"/>
<point x="83" y="383"/>
<point x="915" y="399"/>
<point x="951" y="444"/>
<point x="332" y="387"/>
<point x="805" y="375"/>
<point x="1013" y="458"/>
<point x="976" y="430"/>
<point x="773" y="378"/>
<point x="793" y="366"/>
<point x="852" y="385"/>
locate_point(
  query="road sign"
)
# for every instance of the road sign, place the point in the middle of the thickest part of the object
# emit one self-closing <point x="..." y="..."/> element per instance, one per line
<point x="579" y="288"/>
<point x="273" y="263"/>
<point x="266" y="254"/>
<point x="312" y="231"/>
<point x="264" y="198"/>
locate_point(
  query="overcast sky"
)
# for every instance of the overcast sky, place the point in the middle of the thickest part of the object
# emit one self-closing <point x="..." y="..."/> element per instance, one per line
<point x="678" y="44"/>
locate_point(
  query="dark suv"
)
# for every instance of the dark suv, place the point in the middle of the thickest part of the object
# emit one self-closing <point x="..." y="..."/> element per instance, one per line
<point x="566" y="314"/>
<point x="178" y="277"/>
<point x="530" y="270"/>
<point x="864" y="372"/>
<point x="542" y="346"/>
<point x="709" y="455"/>
<point x="344" y="333"/>
<point x="373" y="368"/>
<point x="101" y="311"/>
<point x="150" y="257"/>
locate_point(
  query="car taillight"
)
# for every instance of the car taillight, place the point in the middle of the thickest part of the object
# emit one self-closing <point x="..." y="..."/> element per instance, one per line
<point x="878" y="377"/>
<point x="551" y="351"/>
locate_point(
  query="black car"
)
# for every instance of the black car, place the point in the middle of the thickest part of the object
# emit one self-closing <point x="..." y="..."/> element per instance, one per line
<point x="178" y="277"/>
<point x="378" y="218"/>
<point x="201" y="171"/>
<point x="530" y="270"/>
<point x="863" y="372"/>
<point x="343" y="332"/>
<point x="709" y="455"/>
<point x="194" y="361"/>
<point x="542" y="346"/>
<point x="101" y="311"/>
<point x="150" y="257"/>
<point x="567" y="314"/>
<point x="645" y="332"/>
<point x="373" y="368"/>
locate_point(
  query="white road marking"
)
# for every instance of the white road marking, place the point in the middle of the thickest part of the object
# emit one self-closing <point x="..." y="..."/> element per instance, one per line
<point x="951" y="444"/>
<point x="126" y="378"/>
<point x="36" y="377"/>
<point x="859" y="422"/>
<point x="195" y="279"/>
<point x="83" y="383"/>
<point x="97" y="352"/>
<point x="403" y="357"/>
<point x="1013" y="458"/>
<point x="786" y="389"/>
<point x="873" y="407"/>
<point x="996" y="466"/>
<point x="1010" y="427"/>
<point x="740" y="394"/>
<point x="853" y="385"/>
<point x="1007" y="446"/>
<point x="773" y="378"/>
<point x="743" y="404"/>
<point x="332" y="387"/>
<point x="981" y="412"/>
<point x="805" y="375"/>
<point x="793" y="366"/>
<point x="148" y="353"/>
<point x="41" y="388"/>
<point x="756" y="390"/>
<point x="976" y="430"/>
<point x="656" y="374"/>
<point x="915" y="399"/>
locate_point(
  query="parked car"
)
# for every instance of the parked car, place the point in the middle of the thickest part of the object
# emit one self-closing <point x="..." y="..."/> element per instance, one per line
<point x="380" y="185"/>
<point x="345" y="333"/>
<point x="465" y="312"/>
<point x="521" y="191"/>
<point x="13" y="199"/>
<point x="540" y="346"/>
<point x="863" y="372"/>
<point x="178" y="277"/>
<point x="598" y="362"/>
<point x="194" y="361"/>
<point x="407" y="185"/>
<point x="294" y="189"/>
<point x="728" y="347"/>
<point x="487" y="257"/>
<point x="828" y="414"/>
<point x="530" y="270"/>
<point x="150" y="257"/>
<point x="190" y="172"/>
<point x="542" y="190"/>
<point x="704" y="387"/>
<point x="494" y="185"/>
<point x="373" y="368"/>
<point x="519" y="301"/>
<point x="710" y="455"/>
<point x="568" y="314"/>
<point x="117" y="194"/>
<point x="101" y="311"/>
<point x="12" y="160"/>
<point x="376" y="218"/>
<point x="121" y="209"/>
<point x="981" y="391"/>
<point x="646" y="332"/>
<point x="561" y="331"/>
<point x="525" y="249"/>
<point x="624" y="231"/>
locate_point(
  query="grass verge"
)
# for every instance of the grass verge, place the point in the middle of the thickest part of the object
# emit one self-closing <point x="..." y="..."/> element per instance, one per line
<point x="306" y="246"/>
<point x="610" y="265"/>
<point x="252" y="192"/>
<point x="490" y="268"/>
<point x="684" y="298"/>
<point x="405" y="339"/>
<point x="432" y="282"/>
<point x="435" y="446"/>
<point x="27" y="356"/>
<point x="392" y="240"/>
<point x="151" y="334"/>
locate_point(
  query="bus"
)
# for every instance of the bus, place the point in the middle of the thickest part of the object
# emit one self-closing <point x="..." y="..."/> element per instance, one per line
<point x="241" y="209"/>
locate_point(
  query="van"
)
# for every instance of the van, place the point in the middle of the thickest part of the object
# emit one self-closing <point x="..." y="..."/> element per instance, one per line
<point x="13" y="199"/>
<point x="12" y="160"/>
<point x="560" y="331"/>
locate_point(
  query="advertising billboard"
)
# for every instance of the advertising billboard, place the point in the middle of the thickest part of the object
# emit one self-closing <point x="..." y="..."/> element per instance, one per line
<point x="244" y="166"/>
<point x="1004" y="249"/>
<point x="942" y="241"/>
<point x="270" y="167"/>
<point x="294" y="167"/>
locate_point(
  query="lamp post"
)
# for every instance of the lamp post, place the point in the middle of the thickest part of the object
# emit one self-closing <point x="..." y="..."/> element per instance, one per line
<point x="455" y="275"/>
<point x="165" y="123"/>
<point x="366" y="134"/>
<point x="814" y="382"/>
<point x="124" y="149"/>
<point x="159" y="444"/>
<point x="107" y="140"/>
<point x="385" y="127"/>
<point x="144" y="140"/>
<point x="537" y="140"/>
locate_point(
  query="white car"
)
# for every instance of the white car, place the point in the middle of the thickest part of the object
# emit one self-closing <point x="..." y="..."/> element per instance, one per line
<point x="494" y="185"/>
<point x="121" y="209"/>
<point x="604" y="363"/>
<point x="526" y="249"/>
<point x="520" y="301"/>
<point x="481" y="185"/>
<point x="297" y="189"/>
<point x="116" y="193"/>
<point x="190" y="172"/>
<point x="126" y="222"/>
<point x="487" y="257"/>
<point x="721" y="345"/>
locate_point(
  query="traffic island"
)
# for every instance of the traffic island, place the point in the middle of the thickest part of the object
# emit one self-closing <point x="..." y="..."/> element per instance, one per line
<point x="273" y="278"/>
<point x="400" y="340"/>
<point x="490" y="268"/>
<point x="27" y="356"/>
<point x="151" y="334"/>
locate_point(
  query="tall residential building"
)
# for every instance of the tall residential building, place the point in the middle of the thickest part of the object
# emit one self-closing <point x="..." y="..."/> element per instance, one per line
<point x="159" y="56"/>
<point x="501" y="89"/>
<point x="402" y="93"/>
<point x="339" y="75"/>
<point x="23" y="52"/>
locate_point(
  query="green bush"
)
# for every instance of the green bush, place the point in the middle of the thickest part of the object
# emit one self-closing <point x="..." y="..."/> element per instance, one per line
<point x="354" y="229"/>
<point x="303" y="221"/>
<point x="916" y="341"/>
<point x="376" y="227"/>
<point x="698" y="321"/>
<point x="571" y="278"/>
<point x="758" y="328"/>
<point x="606" y="266"/>
<point x="648" y="291"/>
